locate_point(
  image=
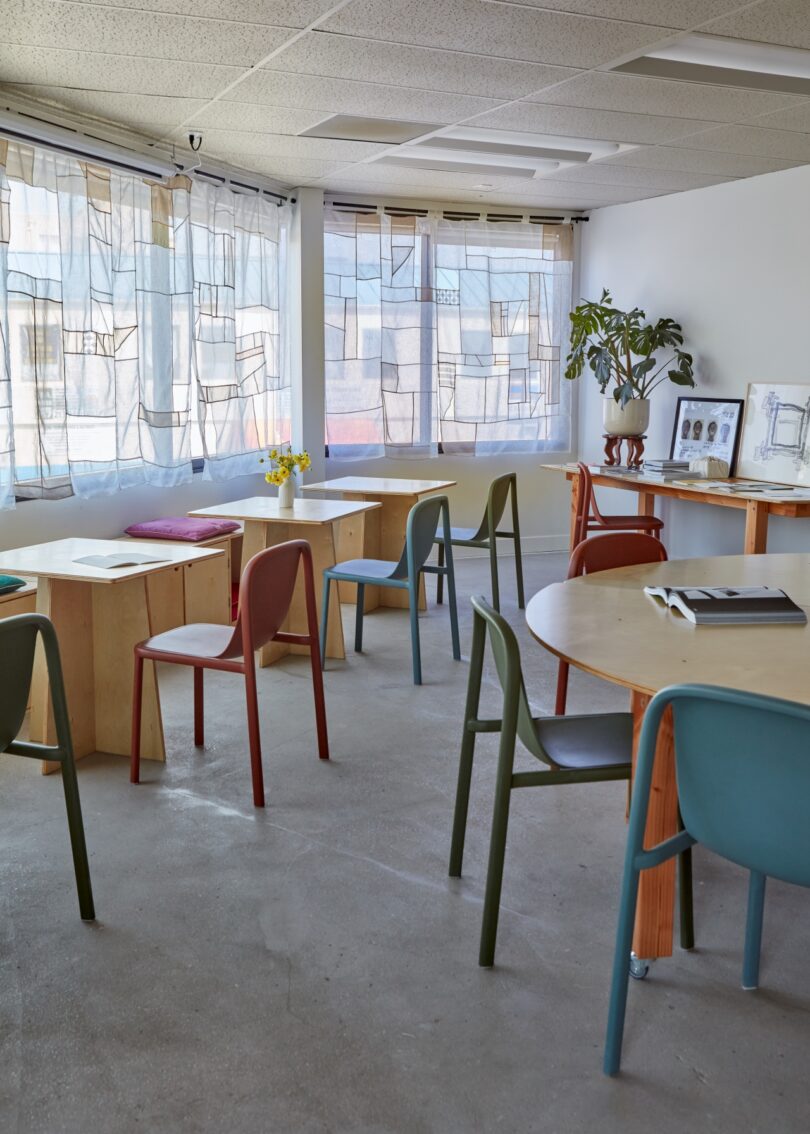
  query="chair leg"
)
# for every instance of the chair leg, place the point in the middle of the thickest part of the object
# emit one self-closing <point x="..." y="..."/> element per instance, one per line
<point x="137" y="698"/>
<point x="686" y="915"/>
<point x="440" y="578"/>
<point x="562" y="689"/>
<point x="413" y="605"/>
<point x="493" y="570"/>
<point x="324" y="619"/>
<point x="453" y="605"/>
<point x="465" y="764"/>
<point x="77" y="842"/>
<point x="518" y="549"/>
<point x="254" y="735"/>
<point x="497" y="850"/>
<point x="199" y="709"/>
<point x="753" y="930"/>
<point x="358" y="618"/>
<point x="621" y="972"/>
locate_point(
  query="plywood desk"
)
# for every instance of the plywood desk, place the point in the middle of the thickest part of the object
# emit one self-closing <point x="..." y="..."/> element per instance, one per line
<point x="604" y="624"/>
<point x="383" y="535"/>
<point x="313" y="520"/>
<point x="757" y="510"/>
<point x="99" y="616"/>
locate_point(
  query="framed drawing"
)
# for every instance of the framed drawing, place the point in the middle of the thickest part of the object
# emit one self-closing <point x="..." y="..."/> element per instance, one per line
<point x="707" y="427"/>
<point x="775" y="442"/>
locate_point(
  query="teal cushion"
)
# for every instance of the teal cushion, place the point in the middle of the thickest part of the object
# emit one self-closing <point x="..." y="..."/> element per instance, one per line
<point x="9" y="583"/>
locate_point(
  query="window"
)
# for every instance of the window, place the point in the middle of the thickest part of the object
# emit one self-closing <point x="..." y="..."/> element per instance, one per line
<point x="445" y="333"/>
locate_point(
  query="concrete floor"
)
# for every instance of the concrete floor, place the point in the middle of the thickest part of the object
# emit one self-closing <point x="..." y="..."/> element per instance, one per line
<point x="311" y="968"/>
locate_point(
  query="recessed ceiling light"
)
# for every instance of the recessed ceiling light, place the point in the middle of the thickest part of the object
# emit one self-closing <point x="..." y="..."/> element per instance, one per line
<point x="454" y="166"/>
<point x="727" y="62"/>
<point x="484" y="185"/>
<point x="351" y="127"/>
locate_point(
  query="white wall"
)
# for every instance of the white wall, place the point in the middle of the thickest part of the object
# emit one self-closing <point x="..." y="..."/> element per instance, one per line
<point x="732" y="264"/>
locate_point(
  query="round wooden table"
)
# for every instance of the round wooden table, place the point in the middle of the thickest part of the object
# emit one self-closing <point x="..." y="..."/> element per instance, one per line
<point x="605" y="625"/>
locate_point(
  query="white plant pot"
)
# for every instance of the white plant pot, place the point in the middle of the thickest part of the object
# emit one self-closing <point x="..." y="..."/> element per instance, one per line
<point x="286" y="493"/>
<point x="630" y="421"/>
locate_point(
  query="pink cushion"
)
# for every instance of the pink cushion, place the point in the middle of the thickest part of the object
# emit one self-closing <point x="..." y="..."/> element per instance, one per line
<point x="189" y="528"/>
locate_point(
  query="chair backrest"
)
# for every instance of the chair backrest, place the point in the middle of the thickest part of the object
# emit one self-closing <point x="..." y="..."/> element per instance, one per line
<point x="18" y="639"/>
<point x="265" y="593"/>
<point x="506" y="651"/>
<point x="497" y="496"/>
<point x="420" y="534"/>
<point x="617" y="549"/>
<point x="587" y="497"/>
<point x="743" y="769"/>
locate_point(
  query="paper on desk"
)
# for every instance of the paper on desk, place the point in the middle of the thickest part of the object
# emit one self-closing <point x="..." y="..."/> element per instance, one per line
<point x="111" y="561"/>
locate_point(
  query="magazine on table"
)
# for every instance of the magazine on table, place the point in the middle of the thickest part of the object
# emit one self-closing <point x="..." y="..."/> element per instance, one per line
<point x="728" y="606"/>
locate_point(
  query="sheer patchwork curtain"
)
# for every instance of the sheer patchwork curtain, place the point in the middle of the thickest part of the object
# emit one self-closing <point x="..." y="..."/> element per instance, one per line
<point x="445" y="333"/>
<point x="239" y="265"/>
<point x="96" y="294"/>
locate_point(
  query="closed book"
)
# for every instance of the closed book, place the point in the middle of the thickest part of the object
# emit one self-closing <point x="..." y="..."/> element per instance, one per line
<point x="730" y="606"/>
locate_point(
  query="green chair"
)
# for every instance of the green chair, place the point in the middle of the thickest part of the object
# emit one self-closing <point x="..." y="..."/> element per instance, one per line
<point x="486" y="536"/>
<point x="18" y="639"/>
<point x="423" y="520"/>
<point x="743" y="774"/>
<point x="576" y="749"/>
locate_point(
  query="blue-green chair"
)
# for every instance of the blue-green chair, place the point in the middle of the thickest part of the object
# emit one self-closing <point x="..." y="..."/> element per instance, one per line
<point x="423" y="520"/>
<point x="743" y="773"/>
<point x="18" y="641"/>
<point x="486" y="536"/>
<point x="575" y="749"/>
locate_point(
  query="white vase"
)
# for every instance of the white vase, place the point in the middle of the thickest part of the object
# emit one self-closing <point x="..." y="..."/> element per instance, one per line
<point x="286" y="493"/>
<point x="630" y="421"/>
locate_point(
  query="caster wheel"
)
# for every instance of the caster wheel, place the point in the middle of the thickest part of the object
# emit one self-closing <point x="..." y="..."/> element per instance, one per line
<point x="639" y="968"/>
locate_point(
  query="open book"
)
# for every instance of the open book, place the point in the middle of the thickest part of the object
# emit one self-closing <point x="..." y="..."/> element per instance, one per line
<point x="718" y="606"/>
<point x="111" y="561"/>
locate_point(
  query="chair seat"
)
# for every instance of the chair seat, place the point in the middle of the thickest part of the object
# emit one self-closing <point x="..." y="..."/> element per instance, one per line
<point x="596" y="740"/>
<point x="463" y="535"/>
<point x="365" y="568"/>
<point x="198" y="640"/>
<point x="627" y="523"/>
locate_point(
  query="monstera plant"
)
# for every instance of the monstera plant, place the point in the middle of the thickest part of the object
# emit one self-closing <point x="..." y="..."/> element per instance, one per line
<point x="621" y="348"/>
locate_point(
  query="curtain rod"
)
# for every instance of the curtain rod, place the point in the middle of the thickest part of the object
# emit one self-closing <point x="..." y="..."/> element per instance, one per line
<point x="454" y="214"/>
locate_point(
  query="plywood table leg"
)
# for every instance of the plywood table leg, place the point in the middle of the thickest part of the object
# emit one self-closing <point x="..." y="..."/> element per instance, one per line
<point x="576" y="503"/>
<point x="646" y="504"/>
<point x="756" y="527"/>
<point x="69" y="606"/>
<point x="166" y="599"/>
<point x="120" y="620"/>
<point x="656" y="894"/>
<point x="207" y="589"/>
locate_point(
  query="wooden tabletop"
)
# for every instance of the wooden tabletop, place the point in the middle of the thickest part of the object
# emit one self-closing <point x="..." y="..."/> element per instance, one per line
<point x="605" y="624"/>
<point x="380" y="485"/>
<point x="304" y="511"/>
<point x="57" y="560"/>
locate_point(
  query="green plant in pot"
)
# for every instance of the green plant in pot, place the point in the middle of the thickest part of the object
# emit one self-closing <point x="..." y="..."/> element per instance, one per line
<point x="621" y="348"/>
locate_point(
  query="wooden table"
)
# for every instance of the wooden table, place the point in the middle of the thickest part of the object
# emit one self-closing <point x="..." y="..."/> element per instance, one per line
<point x="757" y="509"/>
<point x="99" y="616"/>
<point x="313" y="520"/>
<point x="383" y="535"/>
<point x="605" y="625"/>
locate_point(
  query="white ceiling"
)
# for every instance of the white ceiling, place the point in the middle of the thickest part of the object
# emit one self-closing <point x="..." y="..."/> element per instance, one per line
<point x="251" y="75"/>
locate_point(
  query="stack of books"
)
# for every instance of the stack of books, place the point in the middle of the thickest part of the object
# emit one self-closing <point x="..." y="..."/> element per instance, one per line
<point x="664" y="469"/>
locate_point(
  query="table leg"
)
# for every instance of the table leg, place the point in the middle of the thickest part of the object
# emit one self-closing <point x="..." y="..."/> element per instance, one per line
<point x="166" y="599"/>
<point x="646" y="504"/>
<point x="576" y="502"/>
<point x="756" y="527"/>
<point x="207" y="588"/>
<point x="656" y="894"/>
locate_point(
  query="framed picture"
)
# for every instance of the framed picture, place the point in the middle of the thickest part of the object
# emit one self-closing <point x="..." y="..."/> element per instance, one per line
<point x="707" y="427"/>
<point x="775" y="443"/>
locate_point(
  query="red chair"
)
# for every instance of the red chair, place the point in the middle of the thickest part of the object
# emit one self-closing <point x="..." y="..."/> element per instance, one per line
<point x="600" y="553"/>
<point x="590" y="519"/>
<point x="265" y="594"/>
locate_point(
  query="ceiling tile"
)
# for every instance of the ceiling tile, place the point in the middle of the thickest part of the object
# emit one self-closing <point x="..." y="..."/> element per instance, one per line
<point x="343" y="96"/>
<point x="148" y="114"/>
<point x="282" y="13"/>
<point x="290" y="146"/>
<point x="125" y="74"/>
<point x="247" y="141"/>
<point x="598" y="124"/>
<point x="698" y="161"/>
<point x="280" y="168"/>
<point x="786" y="22"/>
<point x="672" y="13"/>
<point x="127" y="31"/>
<point x="507" y="30"/>
<point x="319" y="53"/>
<point x="669" y="181"/>
<point x="601" y="90"/>
<point x="791" y="118"/>
<point x="754" y="141"/>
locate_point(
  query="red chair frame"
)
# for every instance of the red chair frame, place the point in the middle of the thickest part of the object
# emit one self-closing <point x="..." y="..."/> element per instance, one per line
<point x="590" y="519"/>
<point x="265" y="593"/>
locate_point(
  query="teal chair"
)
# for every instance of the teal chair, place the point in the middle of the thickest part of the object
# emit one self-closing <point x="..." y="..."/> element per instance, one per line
<point x="743" y="774"/>
<point x="486" y="535"/>
<point x="423" y="520"/>
<point x="18" y="640"/>
<point x="575" y="749"/>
